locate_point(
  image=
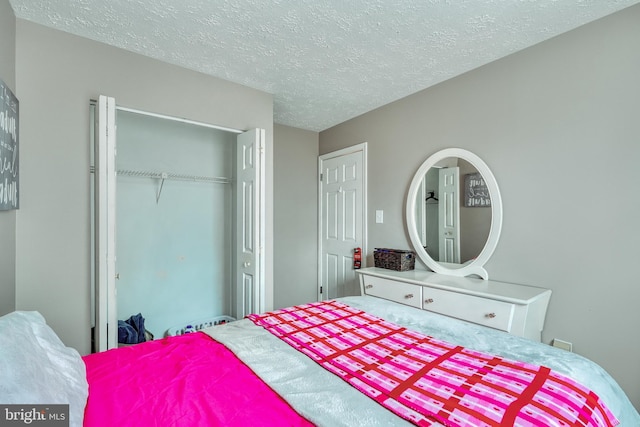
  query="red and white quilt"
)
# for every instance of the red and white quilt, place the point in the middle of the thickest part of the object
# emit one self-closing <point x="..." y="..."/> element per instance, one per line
<point x="426" y="380"/>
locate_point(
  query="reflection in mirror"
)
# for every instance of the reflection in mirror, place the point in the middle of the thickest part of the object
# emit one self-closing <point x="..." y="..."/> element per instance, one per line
<point x="451" y="230"/>
<point x="454" y="213"/>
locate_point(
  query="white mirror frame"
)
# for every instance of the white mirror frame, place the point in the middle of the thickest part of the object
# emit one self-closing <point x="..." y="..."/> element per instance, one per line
<point x="476" y="267"/>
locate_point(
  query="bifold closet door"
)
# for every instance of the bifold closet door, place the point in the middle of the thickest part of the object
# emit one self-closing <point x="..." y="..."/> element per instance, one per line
<point x="106" y="328"/>
<point x="250" y="217"/>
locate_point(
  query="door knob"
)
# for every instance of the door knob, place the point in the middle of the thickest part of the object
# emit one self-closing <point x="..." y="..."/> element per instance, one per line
<point x="246" y="264"/>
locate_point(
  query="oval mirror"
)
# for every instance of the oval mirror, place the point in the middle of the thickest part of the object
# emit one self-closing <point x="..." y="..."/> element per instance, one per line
<point x="454" y="213"/>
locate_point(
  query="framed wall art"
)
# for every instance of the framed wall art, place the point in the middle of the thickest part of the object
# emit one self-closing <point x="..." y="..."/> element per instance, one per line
<point x="9" y="188"/>
<point x="476" y="193"/>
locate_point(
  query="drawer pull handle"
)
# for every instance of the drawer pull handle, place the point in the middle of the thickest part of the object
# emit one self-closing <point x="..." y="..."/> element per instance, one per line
<point x="490" y="315"/>
<point x="408" y="296"/>
<point x="428" y="301"/>
<point x="369" y="286"/>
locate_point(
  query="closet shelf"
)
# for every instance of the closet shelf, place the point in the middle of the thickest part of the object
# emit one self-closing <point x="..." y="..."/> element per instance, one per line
<point x="162" y="176"/>
<point x="174" y="176"/>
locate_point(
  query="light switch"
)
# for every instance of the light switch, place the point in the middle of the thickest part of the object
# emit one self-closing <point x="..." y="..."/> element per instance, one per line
<point x="379" y="217"/>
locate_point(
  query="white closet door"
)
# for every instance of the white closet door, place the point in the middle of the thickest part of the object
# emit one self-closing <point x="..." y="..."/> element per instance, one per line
<point x="106" y="329"/>
<point x="250" y="211"/>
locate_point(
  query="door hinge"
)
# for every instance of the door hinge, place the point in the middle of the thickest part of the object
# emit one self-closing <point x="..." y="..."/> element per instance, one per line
<point x="320" y="290"/>
<point x="321" y="176"/>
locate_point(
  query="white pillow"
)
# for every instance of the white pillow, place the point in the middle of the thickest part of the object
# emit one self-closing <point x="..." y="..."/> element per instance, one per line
<point x="37" y="368"/>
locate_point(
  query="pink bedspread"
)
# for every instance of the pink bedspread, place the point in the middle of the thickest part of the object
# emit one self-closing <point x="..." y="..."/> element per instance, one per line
<point x="189" y="380"/>
<point x="424" y="380"/>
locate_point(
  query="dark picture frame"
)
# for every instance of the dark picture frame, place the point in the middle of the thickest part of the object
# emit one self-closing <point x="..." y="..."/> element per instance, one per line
<point x="9" y="138"/>
<point x="476" y="192"/>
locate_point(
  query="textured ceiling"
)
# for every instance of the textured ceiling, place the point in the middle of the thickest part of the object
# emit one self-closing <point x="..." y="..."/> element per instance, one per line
<point x="325" y="61"/>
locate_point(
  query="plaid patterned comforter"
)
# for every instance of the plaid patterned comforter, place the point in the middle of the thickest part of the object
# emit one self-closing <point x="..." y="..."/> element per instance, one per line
<point x="424" y="380"/>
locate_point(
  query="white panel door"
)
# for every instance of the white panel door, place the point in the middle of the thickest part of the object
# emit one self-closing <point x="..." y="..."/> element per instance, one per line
<point x="106" y="328"/>
<point x="249" y="257"/>
<point x="449" y="215"/>
<point x="342" y="221"/>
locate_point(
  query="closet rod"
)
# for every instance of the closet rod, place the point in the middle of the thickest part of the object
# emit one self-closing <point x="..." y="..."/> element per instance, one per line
<point x="165" y="175"/>
<point x="177" y="119"/>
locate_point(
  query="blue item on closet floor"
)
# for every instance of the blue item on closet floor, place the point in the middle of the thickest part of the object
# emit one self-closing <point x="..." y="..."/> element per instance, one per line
<point x="131" y="331"/>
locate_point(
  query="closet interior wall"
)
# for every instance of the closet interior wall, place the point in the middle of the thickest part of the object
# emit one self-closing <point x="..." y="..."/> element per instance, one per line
<point x="174" y="221"/>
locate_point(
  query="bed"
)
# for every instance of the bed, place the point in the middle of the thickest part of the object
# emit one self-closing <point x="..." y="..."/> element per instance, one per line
<point x="245" y="373"/>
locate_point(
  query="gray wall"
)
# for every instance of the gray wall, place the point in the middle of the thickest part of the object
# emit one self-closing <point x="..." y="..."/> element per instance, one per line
<point x="295" y="177"/>
<point x="56" y="76"/>
<point x="558" y="125"/>
<point x="8" y="218"/>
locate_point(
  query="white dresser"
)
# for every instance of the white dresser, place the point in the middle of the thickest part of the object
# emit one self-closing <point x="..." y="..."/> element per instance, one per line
<point x="516" y="309"/>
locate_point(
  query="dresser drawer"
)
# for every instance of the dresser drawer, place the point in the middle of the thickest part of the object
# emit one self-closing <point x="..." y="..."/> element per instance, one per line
<point x="404" y="293"/>
<point x="487" y="312"/>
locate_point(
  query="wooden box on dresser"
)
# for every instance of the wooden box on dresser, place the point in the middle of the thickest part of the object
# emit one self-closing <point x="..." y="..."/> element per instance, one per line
<point x="516" y="309"/>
